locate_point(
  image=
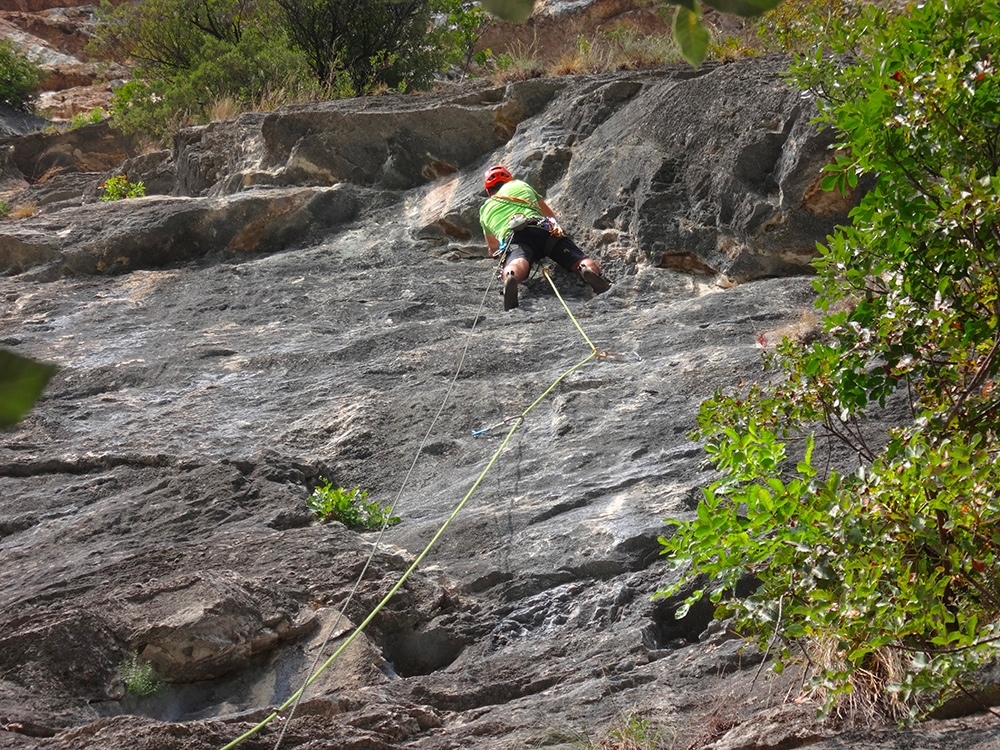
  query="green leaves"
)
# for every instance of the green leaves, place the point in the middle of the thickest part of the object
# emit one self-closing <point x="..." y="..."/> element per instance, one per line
<point x="18" y="78"/>
<point x="21" y="383"/>
<point x="349" y="507"/>
<point x="516" y="11"/>
<point x="690" y="35"/>
<point x="898" y="554"/>
<point x="119" y="188"/>
<point x="743" y="8"/>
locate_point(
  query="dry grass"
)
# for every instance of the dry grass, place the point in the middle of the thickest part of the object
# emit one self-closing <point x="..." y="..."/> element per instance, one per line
<point x="225" y="108"/>
<point x="713" y="727"/>
<point x="270" y="99"/>
<point x="869" y="700"/>
<point x="806" y="329"/>
<point x="633" y="733"/>
<point x="22" y="211"/>
<point x="630" y="731"/>
<point x="622" y="49"/>
<point x="519" y="64"/>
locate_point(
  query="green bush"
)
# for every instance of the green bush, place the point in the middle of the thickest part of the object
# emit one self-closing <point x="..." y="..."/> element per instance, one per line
<point x="886" y="575"/>
<point x="464" y="24"/>
<point x="193" y="55"/>
<point x="800" y="25"/>
<point x="350" y="507"/>
<point x="18" y="78"/>
<point x="81" y="119"/>
<point x="379" y="44"/>
<point x="22" y="381"/>
<point x="796" y="26"/>
<point x="119" y="188"/>
<point x="139" y="677"/>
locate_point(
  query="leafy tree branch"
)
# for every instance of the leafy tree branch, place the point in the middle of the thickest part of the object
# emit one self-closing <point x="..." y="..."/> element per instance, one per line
<point x="899" y="553"/>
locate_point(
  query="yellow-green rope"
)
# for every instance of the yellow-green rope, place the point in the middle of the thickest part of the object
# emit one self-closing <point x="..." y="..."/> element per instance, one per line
<point x="517" y="423"/>
<point x="357" y="631"/>
<point x="545" y="273"/>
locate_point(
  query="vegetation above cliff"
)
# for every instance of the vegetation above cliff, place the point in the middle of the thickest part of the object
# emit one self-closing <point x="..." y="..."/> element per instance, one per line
<point x="18" y="78"/>
<point x="195" y="61"/>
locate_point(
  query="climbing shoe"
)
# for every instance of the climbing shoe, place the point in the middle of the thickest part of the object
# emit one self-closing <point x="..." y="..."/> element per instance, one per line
<point x="596" y="282"/>
<point x="509" y="294"/>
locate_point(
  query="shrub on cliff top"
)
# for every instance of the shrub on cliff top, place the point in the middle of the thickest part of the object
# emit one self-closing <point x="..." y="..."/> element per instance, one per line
<point x="18" y="78"/>
<point x="886" y="575"/>
<point x="391" y="44"/>
<point x="189" y="55"/>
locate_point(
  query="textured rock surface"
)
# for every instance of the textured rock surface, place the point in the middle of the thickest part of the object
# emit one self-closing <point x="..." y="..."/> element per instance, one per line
<point x="736" y="195"/>
<point x="153" y="503"/>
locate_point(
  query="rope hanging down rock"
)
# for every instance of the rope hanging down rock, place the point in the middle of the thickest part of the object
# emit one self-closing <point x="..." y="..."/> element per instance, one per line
<point x="518" y="421"/>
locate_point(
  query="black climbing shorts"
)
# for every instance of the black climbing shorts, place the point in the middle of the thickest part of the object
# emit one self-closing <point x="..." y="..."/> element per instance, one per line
<point x="531" y="244"/>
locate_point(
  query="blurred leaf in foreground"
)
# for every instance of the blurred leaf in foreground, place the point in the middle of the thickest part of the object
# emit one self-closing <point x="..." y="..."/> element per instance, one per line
<point x="21" y="383"/>
<point x="517" y="11"/>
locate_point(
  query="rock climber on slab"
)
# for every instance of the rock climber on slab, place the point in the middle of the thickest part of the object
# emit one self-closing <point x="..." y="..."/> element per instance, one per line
<point x="521" y="229"/>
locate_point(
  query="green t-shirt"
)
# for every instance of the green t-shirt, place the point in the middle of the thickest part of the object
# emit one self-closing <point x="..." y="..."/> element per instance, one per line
<point x="495" y="212"/>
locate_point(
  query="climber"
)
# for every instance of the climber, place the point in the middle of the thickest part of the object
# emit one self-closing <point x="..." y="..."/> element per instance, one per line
<point x="521" y="229"/>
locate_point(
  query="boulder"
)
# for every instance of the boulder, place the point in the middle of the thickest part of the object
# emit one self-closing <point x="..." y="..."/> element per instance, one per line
<point x="91" y="148"/>
<point x="13" y="123"/>
<point x="392" y="142"/>
<point x="736" y="197"/>
<point x="160" y="231"/>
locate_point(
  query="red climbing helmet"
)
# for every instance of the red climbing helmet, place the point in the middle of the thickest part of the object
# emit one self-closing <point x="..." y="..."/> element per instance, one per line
<point x="495" y="175"/>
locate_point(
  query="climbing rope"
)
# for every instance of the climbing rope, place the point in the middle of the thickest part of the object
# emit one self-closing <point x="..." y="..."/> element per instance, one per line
<point x="388" y="515"/>
<point x="595" y="352"/>
<point x="294" y="699"/>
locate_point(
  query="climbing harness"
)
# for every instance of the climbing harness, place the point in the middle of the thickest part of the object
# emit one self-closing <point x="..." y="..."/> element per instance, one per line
<point x="545" y="222"/>
<point x="517" y="421"/>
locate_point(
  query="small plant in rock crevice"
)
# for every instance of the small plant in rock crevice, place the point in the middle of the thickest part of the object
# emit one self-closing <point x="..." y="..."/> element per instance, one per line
<point x="629" y="731"/>
<point x="119" y="188"/>
<point x="87" y="118"/>
<point x="138" y="676"/>
<point x="350" y="507"/>
<point x="632" y="733"/>
<point x="21" y="211"/>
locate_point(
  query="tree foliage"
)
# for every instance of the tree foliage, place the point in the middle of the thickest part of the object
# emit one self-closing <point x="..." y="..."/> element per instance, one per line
<point x="691" y="36"/>
<point x="18" y="78"/>
<point x="191" y="54"/>
<point x="372" y="43"/>
<point x="891" y="569"/>
<point x="21" y="383"/>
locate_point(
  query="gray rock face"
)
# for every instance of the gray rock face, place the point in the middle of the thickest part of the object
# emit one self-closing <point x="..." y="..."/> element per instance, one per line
<point x="222" y="348"/>
<point x="91" y="148"/>
<point x="18" y="123"/>
<point x="102" y="238"/>
<point x="713" y="171"/>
